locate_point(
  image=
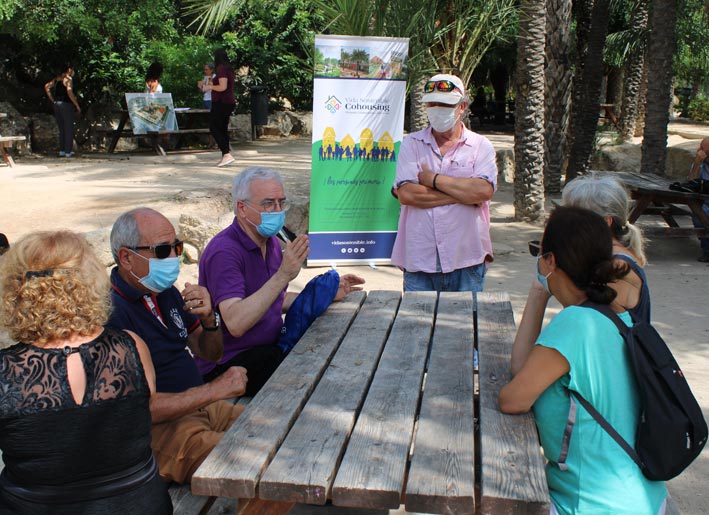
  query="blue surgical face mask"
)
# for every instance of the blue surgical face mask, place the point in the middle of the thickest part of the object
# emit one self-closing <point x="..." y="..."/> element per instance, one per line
<point x="162" y="273"/>
<point x="543" y="279"/>
<point x="270" y="224"/>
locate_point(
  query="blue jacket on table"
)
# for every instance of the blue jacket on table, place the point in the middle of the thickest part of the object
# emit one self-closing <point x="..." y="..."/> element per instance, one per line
<point x="175" y="370"/>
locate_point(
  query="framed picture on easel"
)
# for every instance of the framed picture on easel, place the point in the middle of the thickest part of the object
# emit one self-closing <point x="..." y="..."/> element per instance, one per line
<point x="151" y="112"/>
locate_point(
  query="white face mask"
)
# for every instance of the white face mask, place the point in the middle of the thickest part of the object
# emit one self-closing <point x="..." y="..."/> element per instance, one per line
<point x="442" y="119"/>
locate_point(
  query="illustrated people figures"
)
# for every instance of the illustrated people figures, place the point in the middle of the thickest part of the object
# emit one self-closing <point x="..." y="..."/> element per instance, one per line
<point x="580" y="349"/>
<point x="189" y="418"/>
<point x="152" y="78"/>
<point x="209" y="76"/>
<point x="700" y="170"/>
<point x="223" y="103"/>
<point x="445" y="177"/>
<point x="247" y="274"/>
<point x="60" y="91"/>
<point x="74" y="409"/>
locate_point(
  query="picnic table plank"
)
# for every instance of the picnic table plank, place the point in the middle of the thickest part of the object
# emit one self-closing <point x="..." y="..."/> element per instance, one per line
<point x="305" y="466"/>
<point x="234" y="467"/>
<point x="512" y="463"/>
<point x="442" y="473"/>
<point x="372" y="471"/>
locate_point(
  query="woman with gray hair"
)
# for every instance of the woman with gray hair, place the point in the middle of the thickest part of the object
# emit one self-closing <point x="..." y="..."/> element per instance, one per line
<point x="603" y="194"/>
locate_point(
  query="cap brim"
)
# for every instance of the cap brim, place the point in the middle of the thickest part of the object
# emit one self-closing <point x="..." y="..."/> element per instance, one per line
<point x="451" y="98"/>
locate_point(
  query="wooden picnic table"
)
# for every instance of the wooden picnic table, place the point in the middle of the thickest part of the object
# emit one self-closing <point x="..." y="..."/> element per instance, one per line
<point x="379" y="405"/>
<point x="608" y="115"/>
<point x="653" y="196"/>
<point x="154" y="136"/>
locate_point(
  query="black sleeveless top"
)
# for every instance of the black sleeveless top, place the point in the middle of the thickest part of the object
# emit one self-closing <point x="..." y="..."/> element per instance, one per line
<point x="643" y="307"/>
<point x="89" y="458"/>
<point x="60" y="94"/>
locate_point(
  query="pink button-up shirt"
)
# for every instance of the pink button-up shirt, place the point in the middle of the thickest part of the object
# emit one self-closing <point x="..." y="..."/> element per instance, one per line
<point x="459" y="235"/>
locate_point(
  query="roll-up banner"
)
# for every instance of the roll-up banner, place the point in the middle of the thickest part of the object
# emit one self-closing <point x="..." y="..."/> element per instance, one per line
<point x="359" y="96"/>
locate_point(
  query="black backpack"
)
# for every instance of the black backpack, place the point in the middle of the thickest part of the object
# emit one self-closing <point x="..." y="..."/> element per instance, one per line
<point x="672" y="431"/>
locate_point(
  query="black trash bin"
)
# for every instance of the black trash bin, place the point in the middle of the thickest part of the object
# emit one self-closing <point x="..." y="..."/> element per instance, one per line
<point x="259" y="108"/>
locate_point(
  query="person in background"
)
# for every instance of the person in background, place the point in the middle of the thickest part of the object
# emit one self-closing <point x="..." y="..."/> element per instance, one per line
<point x="152" y="78"/>
<point x="60" y="91"/>
<point x="223" y="103"/>
<point x="208" y="79"/>
<point x="700" y="171"/>
<point x="74" y="409"/>
<point x="446" y="175"/>
<point x="580" y="349"/>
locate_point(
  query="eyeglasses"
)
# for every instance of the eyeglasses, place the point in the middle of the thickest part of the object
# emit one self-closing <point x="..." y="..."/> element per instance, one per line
<point x="444" y="86"/>
<point x="534" y="247"/>
<point x="269" y="205"/>
<point x="163" y="250"/>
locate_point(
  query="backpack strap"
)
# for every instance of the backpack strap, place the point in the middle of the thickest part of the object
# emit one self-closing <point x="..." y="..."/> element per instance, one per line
<point x="607" y="427"/>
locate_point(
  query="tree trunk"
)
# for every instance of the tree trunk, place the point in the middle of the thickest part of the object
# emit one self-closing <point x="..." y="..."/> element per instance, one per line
<point x="529" y="112"/>
<point x="589" y="86"/>
<point x="557" y="84"/>
<point x="581" y="11"/>
<point x="634" y="72"/>
<point x="661" y="47"/>
<point x="417" y="113"/>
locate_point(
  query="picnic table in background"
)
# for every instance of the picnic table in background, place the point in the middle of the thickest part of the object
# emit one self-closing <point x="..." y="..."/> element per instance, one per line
<point x="653" y="196"/>
<point x="154" y="136"/>
<point x="378" y="405"/>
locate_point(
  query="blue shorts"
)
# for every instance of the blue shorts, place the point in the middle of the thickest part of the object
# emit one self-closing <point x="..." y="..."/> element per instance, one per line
<point x="463" y="279"/>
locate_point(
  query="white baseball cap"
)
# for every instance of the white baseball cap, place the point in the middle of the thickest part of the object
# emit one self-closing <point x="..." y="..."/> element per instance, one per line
<point x="455" y="93"/>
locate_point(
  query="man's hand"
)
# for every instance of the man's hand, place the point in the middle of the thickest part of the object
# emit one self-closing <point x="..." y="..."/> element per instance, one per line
<point x="426" y="176"/>
<point x="232" y="383"/>
<point x="294" y="255"/>
<point x="348" y="283"/>
<point x="199" y="302"/>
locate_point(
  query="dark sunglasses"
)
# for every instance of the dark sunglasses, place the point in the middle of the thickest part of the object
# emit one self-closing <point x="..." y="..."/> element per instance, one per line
<point x="163" y="250"/>
<point x="534" y="248"/>
<point x="444" y="86"/>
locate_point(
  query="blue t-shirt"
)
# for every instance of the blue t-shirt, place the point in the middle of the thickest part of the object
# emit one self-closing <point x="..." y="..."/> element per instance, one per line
<point x="175" y="370"/>
<point x="601" y="478"/>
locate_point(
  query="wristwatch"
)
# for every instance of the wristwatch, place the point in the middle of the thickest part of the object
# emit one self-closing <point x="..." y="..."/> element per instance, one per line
<point x="217" y="323"/>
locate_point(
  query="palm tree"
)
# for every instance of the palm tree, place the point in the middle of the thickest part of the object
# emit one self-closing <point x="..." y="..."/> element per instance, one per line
<point x="529" y="112"/>
<point x="635" y="63"/>
<point x="557" y="84"/>
<point x="587" y="88"/>
<point x="661" y="47"/>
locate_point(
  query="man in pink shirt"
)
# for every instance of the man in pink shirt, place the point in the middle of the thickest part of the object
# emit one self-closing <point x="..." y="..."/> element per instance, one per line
<point x="445" y="177"/>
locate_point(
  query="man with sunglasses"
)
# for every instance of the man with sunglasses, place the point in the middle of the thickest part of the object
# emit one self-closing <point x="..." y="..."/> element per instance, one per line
<point x="248" y="275"/>
<point x="445" y="177"/>
<point x="189" y="417"/>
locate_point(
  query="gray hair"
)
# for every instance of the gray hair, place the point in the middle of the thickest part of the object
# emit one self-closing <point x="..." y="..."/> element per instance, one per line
<point x="605" y="195"/>
<point x="210" y="65"/>
<point x="241" y="188"/>
<point x="125" y="231"/>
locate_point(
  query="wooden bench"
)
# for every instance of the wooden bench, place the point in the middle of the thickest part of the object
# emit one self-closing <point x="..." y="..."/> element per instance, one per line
<point x="7" y="142"/>
<point x="375" y="407"/>
<point x="155" y="136"/>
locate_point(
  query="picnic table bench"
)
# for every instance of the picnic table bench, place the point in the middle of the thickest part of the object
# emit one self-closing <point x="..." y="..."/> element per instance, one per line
<point x="653" y="196"/>
<point x="378" y="405"/>
<point x="155" y="136"/>
<point x="7" y="142"/>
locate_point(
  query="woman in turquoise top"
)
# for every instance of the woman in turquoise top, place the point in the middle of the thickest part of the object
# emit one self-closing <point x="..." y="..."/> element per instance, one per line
<point x="580" y="349"/>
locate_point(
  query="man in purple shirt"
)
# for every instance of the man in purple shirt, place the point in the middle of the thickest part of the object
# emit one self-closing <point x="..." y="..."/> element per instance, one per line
<point x="445" y="177"/>
<point x="247" y="275"/>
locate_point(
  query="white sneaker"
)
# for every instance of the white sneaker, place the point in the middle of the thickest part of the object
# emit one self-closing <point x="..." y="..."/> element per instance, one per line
<point x="62" y="153"/>
<point x="69" y="154"/>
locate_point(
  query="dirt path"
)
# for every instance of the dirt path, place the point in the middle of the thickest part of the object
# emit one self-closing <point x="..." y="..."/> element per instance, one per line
<point x="88" y="193"/>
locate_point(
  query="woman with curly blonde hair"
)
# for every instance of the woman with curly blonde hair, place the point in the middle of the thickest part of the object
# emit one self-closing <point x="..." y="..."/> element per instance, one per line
<point x="74" y="403"/>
